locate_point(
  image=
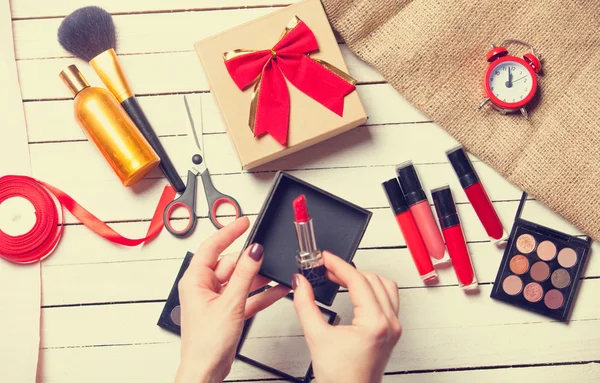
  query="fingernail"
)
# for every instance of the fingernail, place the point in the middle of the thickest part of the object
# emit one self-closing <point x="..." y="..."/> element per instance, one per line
<point x="295" y="281"/>
<point x="256" y="252"/>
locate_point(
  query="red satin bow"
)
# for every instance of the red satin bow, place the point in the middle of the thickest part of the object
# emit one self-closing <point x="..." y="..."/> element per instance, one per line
<point x="288" y="59"/>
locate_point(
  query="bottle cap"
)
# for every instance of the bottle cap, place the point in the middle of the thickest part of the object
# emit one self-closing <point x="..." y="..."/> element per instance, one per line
<point x="410" y="184"/>
<point x="462" y="166"/>
<point x="394" y="195"/>
<point x="445" y="207"/>
<point x="73" y="79"/>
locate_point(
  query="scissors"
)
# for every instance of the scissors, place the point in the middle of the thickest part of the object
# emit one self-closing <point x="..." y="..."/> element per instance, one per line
<point x="187" y="200"/>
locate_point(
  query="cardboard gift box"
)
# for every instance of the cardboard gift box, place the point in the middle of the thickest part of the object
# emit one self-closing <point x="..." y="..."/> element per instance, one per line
<point x="310" y="122"/>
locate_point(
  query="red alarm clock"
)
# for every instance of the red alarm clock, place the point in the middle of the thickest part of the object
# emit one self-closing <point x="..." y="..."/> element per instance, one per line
<point x="510" y="82"/>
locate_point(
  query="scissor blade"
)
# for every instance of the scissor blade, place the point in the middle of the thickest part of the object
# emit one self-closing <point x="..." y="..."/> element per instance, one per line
<point x="192" y="125"/>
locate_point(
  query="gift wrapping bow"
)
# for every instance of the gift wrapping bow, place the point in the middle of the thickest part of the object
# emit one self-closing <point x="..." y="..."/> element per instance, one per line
<point x="288" y="59"/>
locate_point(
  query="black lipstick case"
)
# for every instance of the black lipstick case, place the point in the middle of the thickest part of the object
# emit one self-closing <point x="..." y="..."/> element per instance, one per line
<point x="339" y="227"/>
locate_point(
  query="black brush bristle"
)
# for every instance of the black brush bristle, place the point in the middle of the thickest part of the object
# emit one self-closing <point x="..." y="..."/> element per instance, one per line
<point x="87" y="32"/>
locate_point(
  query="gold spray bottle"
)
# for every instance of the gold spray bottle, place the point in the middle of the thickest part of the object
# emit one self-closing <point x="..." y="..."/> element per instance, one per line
<point x="110" y="129"/>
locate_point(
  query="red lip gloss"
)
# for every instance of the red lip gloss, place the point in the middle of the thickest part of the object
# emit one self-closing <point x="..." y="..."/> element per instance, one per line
<point x="309" y="257"/>
<point x="421" y="211"/>
<point x="455" y="239"/>
<point x="476" y="193"/>
<point x="409" y="229"/>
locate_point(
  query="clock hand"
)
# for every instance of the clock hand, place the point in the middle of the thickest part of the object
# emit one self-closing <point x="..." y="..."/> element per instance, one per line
<point x="519" y="79"/>
<point x="509" y="82"/>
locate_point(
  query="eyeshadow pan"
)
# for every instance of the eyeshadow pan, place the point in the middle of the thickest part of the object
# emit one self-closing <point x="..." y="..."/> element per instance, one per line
<point x="519" y="264"/>
<point x="533" y="292"/>
<point x="525" y="243"/>
<point x="540" y="271"/>
<point x="561" y="278"/>
<point x="567" y="257"/>
<point x="546" y="251"/>
<point x="176" y="315"/>
<point x="512" y="285"/>
<point x="554" y="299"/>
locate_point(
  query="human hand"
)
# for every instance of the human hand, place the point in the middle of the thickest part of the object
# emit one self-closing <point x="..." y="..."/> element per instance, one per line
<point x="214" y="304"/>
<point x="359" y="352"/>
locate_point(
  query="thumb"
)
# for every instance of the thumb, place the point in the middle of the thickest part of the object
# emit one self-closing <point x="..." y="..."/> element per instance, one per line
<point x="311" y="318"/>
<point x="244" y="273"/>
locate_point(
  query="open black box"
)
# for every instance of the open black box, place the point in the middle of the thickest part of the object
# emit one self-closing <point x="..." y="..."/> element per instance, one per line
<point x="339" y="228"/>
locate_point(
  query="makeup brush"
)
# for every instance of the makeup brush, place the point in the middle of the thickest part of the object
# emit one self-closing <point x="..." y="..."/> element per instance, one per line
<point x="89" y="33"/>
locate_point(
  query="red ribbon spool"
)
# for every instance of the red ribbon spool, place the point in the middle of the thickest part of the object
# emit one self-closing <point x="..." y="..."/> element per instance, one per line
<point x="48" y="201"/>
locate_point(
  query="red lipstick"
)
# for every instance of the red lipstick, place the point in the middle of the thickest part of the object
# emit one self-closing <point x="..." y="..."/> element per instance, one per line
<point x="409" y="230"/>
<point x="300" y="209"/>
<point x="309" y="257"/>
<point x="476" y="193"/>
<point x="455" y="239"/>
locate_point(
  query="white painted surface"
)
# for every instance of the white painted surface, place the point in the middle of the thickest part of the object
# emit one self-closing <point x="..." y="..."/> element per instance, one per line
<point x="448" y="336"/>
<point x="19" y="285"/>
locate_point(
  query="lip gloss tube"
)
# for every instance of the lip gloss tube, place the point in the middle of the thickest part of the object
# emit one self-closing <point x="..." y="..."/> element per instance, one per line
<point x="455" y="239"/>
<point x="409" y="229"/>
<point x="476" y="193"/>
<point x="421" y="211"/>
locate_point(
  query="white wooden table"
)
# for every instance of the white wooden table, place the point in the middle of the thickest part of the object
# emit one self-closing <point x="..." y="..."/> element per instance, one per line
<point x="101" y="302"/>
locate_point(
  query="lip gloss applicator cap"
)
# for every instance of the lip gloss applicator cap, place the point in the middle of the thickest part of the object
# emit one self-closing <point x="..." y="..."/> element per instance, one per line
<point x="445" y="207"/>
<point x="462" y="166"/>
<point x="410" y="183"/>
<point x="395" y="196"/>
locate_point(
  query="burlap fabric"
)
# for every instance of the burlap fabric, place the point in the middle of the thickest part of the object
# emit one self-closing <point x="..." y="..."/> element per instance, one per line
<point x="433" y="53"/>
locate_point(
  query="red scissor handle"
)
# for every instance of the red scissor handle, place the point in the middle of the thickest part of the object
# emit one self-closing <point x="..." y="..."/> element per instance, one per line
<point x="187" y="201"/>
<point x="220" y="201"/>
<point x="168" y="224"/>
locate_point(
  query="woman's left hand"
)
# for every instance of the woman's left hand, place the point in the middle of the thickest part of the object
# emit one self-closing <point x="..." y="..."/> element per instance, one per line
<point x="214" y="304"/>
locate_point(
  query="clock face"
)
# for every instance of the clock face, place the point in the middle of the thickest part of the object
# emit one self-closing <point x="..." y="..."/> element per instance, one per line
<point x="512" y="83"/>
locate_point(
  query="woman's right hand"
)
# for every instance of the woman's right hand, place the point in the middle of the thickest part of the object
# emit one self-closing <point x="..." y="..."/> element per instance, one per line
<point x="359" y="352"/>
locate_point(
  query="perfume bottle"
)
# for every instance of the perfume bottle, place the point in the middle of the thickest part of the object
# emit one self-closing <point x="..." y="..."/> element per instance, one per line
<point x="110" y="129"/>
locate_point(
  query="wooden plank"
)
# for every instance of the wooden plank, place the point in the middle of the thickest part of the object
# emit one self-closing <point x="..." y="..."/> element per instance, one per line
<point x="517" y="335"/>
<point x="54" y="121"/>
<point x="33" y="9"/>
<point x="20" y="284"/>
<point x="588" y="372"/>
<point x="147" y="74"/>
<point x="363" y="146"/>
<point x="98" y="189"/>
<point x="137" y="33"/>
<point x="158" y="363"/>
<point x="135" y="275"/>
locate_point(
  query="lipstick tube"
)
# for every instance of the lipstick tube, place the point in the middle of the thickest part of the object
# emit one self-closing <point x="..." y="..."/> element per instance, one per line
<point x="309" y="258"/>
<point x="455" y="239"/>
<point x="476" y="193"/>
<point x="409" y="230"/>
<point x="421" y="211"/>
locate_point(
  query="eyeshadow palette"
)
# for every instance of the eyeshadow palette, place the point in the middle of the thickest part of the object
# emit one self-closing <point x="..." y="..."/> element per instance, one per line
<point x="541" y="268"/>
